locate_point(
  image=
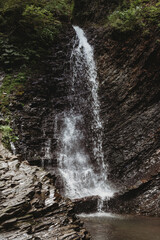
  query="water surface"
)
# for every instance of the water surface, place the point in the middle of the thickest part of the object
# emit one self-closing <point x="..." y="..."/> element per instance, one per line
<point x="116" y="227"/>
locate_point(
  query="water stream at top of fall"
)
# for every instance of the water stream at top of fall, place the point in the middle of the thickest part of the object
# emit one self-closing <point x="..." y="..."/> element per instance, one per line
<point x="82" y="176"/>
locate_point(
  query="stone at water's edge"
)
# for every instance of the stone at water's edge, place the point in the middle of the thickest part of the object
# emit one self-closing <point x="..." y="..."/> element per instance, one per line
<point x="31" y="207"/>
<point x="86" y="205"/>
<point x="142" y="198"/>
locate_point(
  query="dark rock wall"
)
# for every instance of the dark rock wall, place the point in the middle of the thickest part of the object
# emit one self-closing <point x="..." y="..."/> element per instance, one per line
<point x="48" y="96"/>
<point x="130" y="93"/>
<point x="129" y="76"/>
<point x="143" y="198"/>
<point x="45" y="97"/>
<point x="92" y="11"/>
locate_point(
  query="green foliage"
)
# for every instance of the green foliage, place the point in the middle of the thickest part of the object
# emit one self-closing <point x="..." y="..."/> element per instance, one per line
<point x="60" y="7"/>
<point x="8" y="136"/>
<point x="126" y="20"/>
<point x="133" y="14"/>
<point x="152" y="13"/>
<point x="12" y="86"/>
<point x="28" y="28"/>
<point x="42" y="22"/>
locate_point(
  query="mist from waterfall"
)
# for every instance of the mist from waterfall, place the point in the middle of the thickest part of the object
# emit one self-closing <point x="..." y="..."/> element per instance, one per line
<point x="81" y="178"/>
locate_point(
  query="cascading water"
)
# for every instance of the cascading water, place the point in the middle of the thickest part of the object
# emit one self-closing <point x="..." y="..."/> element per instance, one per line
<point x="13" y="148"/>
<point x="82" y="176"/>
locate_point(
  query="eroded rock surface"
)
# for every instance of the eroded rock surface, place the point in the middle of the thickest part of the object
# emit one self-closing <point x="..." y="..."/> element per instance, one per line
<point x="45" y="98"/>
<point x="31" y="207"/>
<point x="86" y="204"/>
<point x="142" y="199"/>
<point x="129" y="73"/>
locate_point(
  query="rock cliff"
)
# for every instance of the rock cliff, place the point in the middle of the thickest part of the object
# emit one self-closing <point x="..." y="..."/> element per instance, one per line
<point x="44" y="98"/>
<point x="31" y="207"/>
<point x="128" y="73"/>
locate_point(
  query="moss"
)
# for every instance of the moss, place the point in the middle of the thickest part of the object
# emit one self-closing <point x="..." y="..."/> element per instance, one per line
<point x="13" y="85"/>
<point x="8" y="136"/>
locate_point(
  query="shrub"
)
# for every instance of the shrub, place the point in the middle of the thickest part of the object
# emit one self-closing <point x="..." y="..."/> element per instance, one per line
<point x="60" y="7"/>
<point x="152" y="13"/>
<point x="135" y="14"/>
<point x="126" y="20"/>
<point x="41" y="21"/>
<point x="28" y="28"/>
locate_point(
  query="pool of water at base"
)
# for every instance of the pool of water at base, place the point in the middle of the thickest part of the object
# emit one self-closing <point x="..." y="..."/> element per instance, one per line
<point x="103" y="226"/>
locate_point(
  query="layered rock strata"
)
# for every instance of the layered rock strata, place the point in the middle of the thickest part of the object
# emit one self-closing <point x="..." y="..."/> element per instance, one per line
<point x="45" y="98"/>
<point x="129" y="73"/>
<point x="31" y="207"/>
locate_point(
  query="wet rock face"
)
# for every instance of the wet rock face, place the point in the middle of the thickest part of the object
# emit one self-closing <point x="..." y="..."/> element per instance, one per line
<point x="143" y="198"/>
<point x="48" y="97"/>
<point x="86" y="205"/>
<point x="129" y="73"/>
<point x="45" y="98"/>
<point x="31" y="207"/>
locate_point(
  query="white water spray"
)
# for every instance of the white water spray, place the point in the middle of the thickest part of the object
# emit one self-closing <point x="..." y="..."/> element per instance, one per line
<point x="13" y="148"/>
<point x="79" y="175"/>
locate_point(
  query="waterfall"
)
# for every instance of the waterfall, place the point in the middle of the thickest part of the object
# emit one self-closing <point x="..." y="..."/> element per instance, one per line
<point x="13" y="148"/>
<point x="80" y="157"/>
